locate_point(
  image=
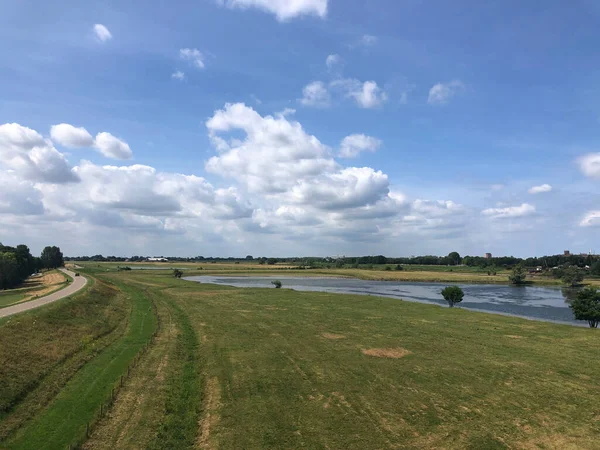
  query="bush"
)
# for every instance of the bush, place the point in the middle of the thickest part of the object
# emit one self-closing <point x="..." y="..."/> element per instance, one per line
<point x="399" y="268"/>
<point x="572" y="276"/>
<point x="388" y="268"/>
<point x="453" y="295"/>
<point x="277" y="284"/>
<point x="517" y="275"/>
<point x="177" y="273"/>
<point x="587" y="306"/>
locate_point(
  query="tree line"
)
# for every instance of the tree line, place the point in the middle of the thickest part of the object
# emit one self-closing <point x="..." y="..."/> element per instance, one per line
<point x="17" y="263"/>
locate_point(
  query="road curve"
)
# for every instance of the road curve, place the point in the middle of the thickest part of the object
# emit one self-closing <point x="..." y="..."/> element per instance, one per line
<point x="77" y="284"/>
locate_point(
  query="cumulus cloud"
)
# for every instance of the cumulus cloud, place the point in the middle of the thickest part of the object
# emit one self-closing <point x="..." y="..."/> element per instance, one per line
<point x="274" y="154"/>
<point x="282" y="9"/>
<point x="178" y="75"/>
<point x="540" y="189"/>
<point x="27" y="153"/>
<point x="349" y="188"/>
<point x="193" y="55"/>
<point x="591" y="219"/>
<point x="70" y="136"/>
<point x="352" y="145"/>
<point x="333" y="61"/>
<point x="112" y="147"/>
<point x="18" y="196"/>
<point x="523" y="210"/>
<point x="315" y="94"/>
<point x="590" y="165"/>
<point x="442" y="93"/>
<point x="102" y="33"/>
<point x="366" y="95"/>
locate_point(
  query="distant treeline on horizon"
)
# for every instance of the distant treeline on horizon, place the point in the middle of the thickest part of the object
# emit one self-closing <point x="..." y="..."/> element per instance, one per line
<point x="452" y="259"/>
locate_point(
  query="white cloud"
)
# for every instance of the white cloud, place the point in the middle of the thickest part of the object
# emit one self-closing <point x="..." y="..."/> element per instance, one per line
<point x="31" y="156"/>
<point x="282" y="9"/>
<point x="70" y="136"/>
<point x="19" y="197"/>
<point x="590" y="165"/>
<point x="540" y="189"/>
<point x="275" y="153"/>
<point x="332" y="61"/>
<point x="315" y="94"/>
<point x="192" y="55"/>
<point x="441" y="93"/>
<point x="178" y="75"/>
<point x="366" y="95"/>
<point x="523" y="210"/>
<point x="102" y="33"/>
<point x="349" y="188"/>
<point x="591" y="219"/>
<point x="352" y="145"/>
<point x="112" y="147"/>
<point x="368" y="40"/>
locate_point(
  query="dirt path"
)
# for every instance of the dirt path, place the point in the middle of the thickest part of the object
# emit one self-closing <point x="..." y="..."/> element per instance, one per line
<point x="77" y="284"/>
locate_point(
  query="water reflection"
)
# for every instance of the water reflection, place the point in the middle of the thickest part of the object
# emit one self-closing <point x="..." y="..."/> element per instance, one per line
<point x="545" y="303"/>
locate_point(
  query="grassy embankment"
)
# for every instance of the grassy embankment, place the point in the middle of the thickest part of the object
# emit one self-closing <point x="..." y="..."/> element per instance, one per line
<point x="33" y="288"/>
<point x="61" y="362"/>
<point x="284" y="369"/>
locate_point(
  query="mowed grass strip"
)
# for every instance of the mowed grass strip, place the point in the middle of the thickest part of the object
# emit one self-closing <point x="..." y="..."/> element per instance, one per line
<point x="136" y="416"/>
<point x="64" y="420"/>
<point x="37" y="342"/>
<point x="397" y="374"/>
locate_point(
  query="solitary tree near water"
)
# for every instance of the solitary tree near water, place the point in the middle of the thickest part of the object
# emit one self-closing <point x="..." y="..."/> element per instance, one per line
<point x="277" y="284"/>
<point x="177" y="273"/>
<point x="453" y="295"/>
<point x="572" y="276"/>
<point x="587" y="306"/>
<point x="517" y="275"/>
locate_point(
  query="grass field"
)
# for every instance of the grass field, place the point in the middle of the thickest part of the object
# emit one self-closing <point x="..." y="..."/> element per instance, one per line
<point x="267" y="368"/>
<point x="442" y="274"/>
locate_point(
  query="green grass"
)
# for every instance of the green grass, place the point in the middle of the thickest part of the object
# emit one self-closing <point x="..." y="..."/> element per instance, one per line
<point x="64" y="420"/>
<point x="279" y="369"/>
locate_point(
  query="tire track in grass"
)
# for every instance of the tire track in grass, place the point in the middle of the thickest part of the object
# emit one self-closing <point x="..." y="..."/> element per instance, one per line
<point x="65" y="419"/>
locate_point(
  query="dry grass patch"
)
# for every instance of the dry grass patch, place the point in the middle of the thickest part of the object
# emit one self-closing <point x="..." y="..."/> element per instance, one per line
<point x="395" y="353"/>
<point x="333" y="336"/>
<point x="211" y="418"/>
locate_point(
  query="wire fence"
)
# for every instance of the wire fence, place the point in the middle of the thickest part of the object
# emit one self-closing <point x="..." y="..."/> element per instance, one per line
<point x="106" y="406"/>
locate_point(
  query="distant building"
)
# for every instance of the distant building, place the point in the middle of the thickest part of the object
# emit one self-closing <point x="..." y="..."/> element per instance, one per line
<point x="488" y="256"/>
<point x="567" y="253"/>
<point x="158" y="259"/>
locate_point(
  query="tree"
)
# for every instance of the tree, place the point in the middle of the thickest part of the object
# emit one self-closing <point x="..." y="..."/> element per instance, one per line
<point x="177" y="273"/>
<point x="52" y="257"/>
<point x="595" y="269"/>
<point x="454" y="258"/>
<point x="453" y="295"/>
<point x="249" y="258"/>
<point x="587" y="306"/>
<point x="517" y="275"/>
<point x="277" y="284"/>
<point x="572" y="276"/>
<point x="9" y="270"/>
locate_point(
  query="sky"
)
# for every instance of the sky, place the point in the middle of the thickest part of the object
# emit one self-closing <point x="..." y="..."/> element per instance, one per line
<point x="300" y="127"/>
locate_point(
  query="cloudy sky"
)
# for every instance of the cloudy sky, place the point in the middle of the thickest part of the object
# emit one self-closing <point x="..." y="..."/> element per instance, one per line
<point x="300" y="127"/>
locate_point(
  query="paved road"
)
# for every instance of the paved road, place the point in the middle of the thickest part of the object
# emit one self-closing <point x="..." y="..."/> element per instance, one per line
<point x="77" y="284"/>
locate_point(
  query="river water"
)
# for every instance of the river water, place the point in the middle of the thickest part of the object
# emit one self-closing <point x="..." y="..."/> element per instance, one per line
<point x="540" y="303"/>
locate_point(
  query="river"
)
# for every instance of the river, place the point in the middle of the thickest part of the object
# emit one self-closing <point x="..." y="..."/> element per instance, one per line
<point x="532" y="302"/>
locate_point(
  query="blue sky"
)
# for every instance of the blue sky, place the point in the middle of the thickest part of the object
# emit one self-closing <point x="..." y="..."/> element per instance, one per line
<point x="312" y="127"/>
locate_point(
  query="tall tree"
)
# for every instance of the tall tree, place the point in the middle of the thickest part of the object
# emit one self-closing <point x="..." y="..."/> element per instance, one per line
<point x="52" y="257"/>
<point x="587" y="306"/>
